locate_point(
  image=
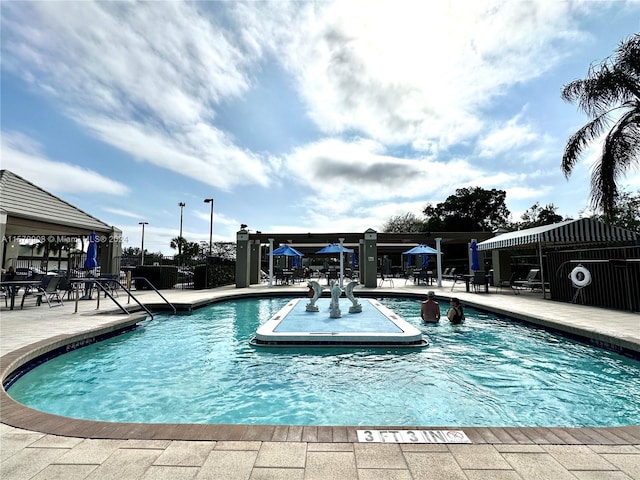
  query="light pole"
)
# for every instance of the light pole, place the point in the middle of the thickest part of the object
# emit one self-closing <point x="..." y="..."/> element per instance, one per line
<point x="210" y="200"/>
<point x="142" y="252"/>
<point x="181" y="205"/>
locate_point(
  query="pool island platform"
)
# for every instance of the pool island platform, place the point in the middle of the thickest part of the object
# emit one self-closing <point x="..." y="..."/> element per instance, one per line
<point x="376" y="326"/>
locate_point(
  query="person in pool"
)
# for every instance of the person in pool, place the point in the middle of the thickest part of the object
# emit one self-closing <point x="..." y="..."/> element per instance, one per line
<point x="430" y="309"/>
<point x="455" y="314"/>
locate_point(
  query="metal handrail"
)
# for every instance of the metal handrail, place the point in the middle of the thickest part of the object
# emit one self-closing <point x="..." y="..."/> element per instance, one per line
<point x="153" y="288"/>
<point x="98" y="282"/>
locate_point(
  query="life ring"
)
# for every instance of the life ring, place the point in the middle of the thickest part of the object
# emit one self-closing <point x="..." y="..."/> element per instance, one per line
<point x="580" y="276"/>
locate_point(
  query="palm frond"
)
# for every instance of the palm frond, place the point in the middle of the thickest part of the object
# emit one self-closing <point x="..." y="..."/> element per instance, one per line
<point x="614" y="81"/>
<point x="580" y="140"/>
<point x="620" y="153"/>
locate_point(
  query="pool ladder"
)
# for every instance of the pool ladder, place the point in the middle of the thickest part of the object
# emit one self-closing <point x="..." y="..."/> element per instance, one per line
<point x="101" y="285"/>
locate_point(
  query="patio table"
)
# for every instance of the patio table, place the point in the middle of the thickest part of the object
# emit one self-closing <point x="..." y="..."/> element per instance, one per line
<point x="14" y="285"/>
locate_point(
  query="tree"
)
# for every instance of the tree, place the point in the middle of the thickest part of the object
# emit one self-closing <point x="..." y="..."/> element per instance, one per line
<point x="407" y="222"/>
<point x="178" y="242"/>
<point x="470" y="209"/>
<point x="536" y="216"/>
<point x="626" y="212"/>
<point x="610" y="90"/>
<point x="131" y="251"/>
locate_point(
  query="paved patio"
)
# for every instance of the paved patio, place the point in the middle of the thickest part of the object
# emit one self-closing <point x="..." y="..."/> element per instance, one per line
<point x="47" y="447"/>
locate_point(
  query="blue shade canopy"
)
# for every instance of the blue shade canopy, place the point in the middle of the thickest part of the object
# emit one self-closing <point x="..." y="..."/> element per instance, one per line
<point x="475" y="262"/>
<point x="92" y="252"/>
<point x="287" y="251"/>
<point x="334" y="248"/>
<point x="421" y="250"/>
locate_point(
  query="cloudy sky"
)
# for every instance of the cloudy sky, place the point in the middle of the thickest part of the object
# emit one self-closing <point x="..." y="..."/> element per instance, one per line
<point x="297" y="116"/>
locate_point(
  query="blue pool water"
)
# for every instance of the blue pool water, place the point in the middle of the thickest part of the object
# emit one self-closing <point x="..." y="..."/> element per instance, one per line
<point x="199" y="368"/>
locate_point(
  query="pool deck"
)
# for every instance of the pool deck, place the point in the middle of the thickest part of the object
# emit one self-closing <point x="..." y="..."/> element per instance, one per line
<point x="35" y="445"/>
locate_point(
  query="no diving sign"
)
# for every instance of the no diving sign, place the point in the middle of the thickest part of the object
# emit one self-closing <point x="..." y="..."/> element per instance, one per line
<point x="412" y="436"/>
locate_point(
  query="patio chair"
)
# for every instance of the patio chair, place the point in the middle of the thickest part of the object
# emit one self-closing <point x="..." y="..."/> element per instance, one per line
<point x="479" y="281"/>
<point x="508" y="284"/>
<point x="107" y="282"/>
<point x="47" y="290"/>
<point x="385" y="278"/>
<point x="65" y="287"/>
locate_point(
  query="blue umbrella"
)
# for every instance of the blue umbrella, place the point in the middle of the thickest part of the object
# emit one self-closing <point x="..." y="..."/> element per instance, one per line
<point x="334" y="248"/>
<point x="475" y="262"/>
<point x="92" y="252"/>
<point x="421" y="250"/>
<point x="287" y="251"/>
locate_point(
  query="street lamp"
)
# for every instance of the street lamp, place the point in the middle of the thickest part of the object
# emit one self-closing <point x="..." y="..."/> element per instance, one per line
<point x="142" y="253"/>
<point x="181" y="205"/>
<point x="210" y="200"/>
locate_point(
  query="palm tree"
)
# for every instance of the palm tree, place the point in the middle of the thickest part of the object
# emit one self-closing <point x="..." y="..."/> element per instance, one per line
<point x="609" y="94"/>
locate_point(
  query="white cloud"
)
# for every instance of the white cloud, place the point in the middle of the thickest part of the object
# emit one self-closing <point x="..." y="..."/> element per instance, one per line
<point x="122" y="213"/>
<point x="145" y="77"/>
<point x="506" y="138"/>
<point x="21" y="155"/>
<point x="410" y="71"/>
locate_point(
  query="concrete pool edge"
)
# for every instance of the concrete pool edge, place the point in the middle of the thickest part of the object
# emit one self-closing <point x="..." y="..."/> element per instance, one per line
<point x="17" y="415"/>
<point x="361" y="328"/>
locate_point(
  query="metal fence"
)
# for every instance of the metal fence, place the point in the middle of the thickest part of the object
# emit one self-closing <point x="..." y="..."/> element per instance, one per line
<point x="614" y="275"/>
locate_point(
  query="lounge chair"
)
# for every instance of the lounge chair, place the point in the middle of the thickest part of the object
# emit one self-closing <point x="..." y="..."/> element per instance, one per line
<point x="451" y="275"/>
<point x="531" y="282"/>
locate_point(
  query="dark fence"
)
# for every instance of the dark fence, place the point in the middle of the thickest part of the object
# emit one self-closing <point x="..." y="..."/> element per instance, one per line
<point x="615" y="277"/>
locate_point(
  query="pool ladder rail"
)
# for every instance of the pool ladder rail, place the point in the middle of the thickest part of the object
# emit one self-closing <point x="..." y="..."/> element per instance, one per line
<point x="102" y="285"/>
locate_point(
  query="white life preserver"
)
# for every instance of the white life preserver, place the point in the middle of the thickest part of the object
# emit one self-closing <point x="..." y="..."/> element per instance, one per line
<point x="580" y="276"/>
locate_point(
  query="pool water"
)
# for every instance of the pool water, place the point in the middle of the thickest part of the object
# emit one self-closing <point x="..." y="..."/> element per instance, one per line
<point x="200" y="368"/>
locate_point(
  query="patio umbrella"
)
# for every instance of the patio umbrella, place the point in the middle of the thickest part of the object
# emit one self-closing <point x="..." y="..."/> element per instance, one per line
<point x="91" y="261"/>
<point x="421" y="250"/>
<point x="334" y="248"/>
<point x="475" y="262"/>
<point x="287" y="251"/>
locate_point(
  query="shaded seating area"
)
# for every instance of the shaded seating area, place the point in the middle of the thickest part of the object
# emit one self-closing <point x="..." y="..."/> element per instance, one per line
<point x="585" y="240"/>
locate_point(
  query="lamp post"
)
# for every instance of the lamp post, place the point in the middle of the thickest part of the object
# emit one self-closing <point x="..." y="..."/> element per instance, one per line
<point x="210" y="200"/>
<point x="181" y="205"/>
<point x="142" y="248"/>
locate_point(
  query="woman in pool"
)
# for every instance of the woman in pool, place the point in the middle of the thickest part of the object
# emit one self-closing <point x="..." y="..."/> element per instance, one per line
<point x="455" y="314"/>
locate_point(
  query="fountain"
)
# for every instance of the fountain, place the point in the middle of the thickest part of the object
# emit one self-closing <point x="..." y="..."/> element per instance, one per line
<point x="321" y="323"/>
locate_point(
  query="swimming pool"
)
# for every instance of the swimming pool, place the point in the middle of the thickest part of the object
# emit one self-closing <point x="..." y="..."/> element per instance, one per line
<point x="199" y="368"/>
